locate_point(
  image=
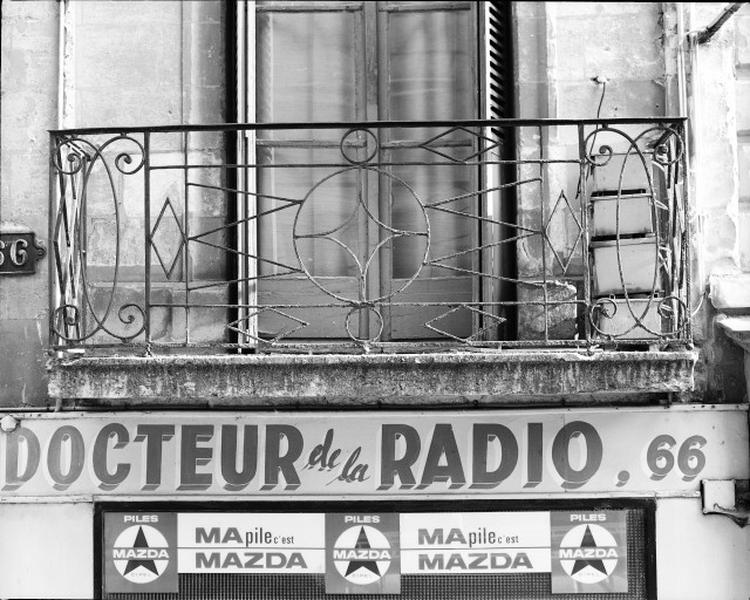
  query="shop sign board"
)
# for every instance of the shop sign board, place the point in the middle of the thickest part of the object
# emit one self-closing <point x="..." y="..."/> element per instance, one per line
<point x="367" y="553"/>
<point x="378" y="454"/>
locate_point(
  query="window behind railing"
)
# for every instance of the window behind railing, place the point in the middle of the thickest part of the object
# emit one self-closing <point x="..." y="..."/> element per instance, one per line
<point x="361" y="234"/>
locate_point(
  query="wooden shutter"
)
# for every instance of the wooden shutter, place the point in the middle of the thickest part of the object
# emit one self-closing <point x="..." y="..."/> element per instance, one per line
<point x="498" y="98"/>
<point x="498" y="60"/>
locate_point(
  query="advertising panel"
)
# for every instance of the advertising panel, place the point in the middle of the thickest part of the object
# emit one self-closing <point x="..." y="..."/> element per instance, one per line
<point x="139" y="553"/>
<point x="367" y="553"/>
<point x="250" y="543"/>
<point x="589" y="552"/>
<point x="362" y="554"/>
<point x="477" y="542"/>
<point x="384" y="454"/>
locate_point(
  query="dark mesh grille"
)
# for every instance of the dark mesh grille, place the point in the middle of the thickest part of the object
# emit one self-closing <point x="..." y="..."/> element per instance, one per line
<point x="413" y="587"/>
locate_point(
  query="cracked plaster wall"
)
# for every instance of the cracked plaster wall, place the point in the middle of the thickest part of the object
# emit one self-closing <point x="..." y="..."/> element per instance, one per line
<point x="718" y="94"/>
<point x="28" y="100"/>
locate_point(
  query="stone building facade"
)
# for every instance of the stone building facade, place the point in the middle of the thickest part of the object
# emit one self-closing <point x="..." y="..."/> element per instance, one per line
<point x="499" y="253"/>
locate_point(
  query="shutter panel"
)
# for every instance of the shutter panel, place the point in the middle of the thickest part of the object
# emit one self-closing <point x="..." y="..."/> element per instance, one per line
<point x="498" y="103"/>
<point x="499" y="61"/>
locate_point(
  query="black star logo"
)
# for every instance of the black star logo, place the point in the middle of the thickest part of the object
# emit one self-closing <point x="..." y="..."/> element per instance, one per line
<point x="588" y="542"/>
<point x="140" y="542"/>
<point x="370" y="565"/>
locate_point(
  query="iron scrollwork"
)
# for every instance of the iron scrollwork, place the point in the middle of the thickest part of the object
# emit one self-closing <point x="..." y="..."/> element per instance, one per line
<point x="155" y="283"/>
<point x="77" y="319"/>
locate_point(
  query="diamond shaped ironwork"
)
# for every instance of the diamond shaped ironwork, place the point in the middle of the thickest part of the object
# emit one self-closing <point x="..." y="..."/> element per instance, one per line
<point x="430" y="146"/>
<point x="476" y="334"/>
<point x="180" y="247"/>
<point x="562" y="200"/>
<point x="242" y="325"/>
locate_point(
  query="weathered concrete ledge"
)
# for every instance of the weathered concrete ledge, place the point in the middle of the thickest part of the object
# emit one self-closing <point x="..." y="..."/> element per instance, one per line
<point x="263" y="381"/>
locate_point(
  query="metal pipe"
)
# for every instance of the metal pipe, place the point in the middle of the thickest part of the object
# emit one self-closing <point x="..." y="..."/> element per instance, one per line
<point x="704" y="36"/>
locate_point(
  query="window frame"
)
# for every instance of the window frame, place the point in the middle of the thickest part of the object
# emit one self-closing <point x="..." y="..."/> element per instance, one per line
<point x="486" y="104"/>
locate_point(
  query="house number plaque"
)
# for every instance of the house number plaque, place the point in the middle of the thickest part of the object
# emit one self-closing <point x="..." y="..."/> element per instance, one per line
<point x="19" y="253"/>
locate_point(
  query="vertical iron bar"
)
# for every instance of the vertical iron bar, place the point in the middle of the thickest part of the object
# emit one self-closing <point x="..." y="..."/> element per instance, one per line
<point x="250" y="230"/>
<point x="670" y="187"/>
<point x="585" y="241"/>
<point x="364" y="183"/>
<point x="373" y="30"/>
<point x="247" y="43"/>
<point x="186" y="234"/>
<point x="477" y="320"/>
<point x="83" y="241"/>
<point x="376" y="90"/>
<point x="542" y="228"/>
<point x="60" y="216"/>
<point x="478" y="11"/>
<point x="147" y="233"/>
<point x="685" y="243"/>
<point x="484" y="232"/>
<point x="53" y="210"/>
<point x="241" y="177"/>
<point x="74" y="245"/>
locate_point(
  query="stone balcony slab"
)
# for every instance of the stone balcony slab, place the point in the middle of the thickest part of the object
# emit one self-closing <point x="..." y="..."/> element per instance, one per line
<point x="351" y="381"/>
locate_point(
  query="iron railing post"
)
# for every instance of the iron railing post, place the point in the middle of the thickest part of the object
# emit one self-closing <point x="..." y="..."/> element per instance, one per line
<point x="585" y="234"/>
<point x="147" y="238"/>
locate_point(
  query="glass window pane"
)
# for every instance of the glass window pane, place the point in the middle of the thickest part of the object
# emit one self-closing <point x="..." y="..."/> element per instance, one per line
<point x="306" y="66"/>
<point x="329" y="216"/>
<point x="430" y="77"/>
<point x="444" y="190"/>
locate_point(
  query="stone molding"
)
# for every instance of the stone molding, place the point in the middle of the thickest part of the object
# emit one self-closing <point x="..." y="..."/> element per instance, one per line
<point x="351" y="381"/>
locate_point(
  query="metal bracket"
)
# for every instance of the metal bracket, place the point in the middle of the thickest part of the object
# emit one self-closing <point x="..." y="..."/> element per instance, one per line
<point x="728" y="497"/>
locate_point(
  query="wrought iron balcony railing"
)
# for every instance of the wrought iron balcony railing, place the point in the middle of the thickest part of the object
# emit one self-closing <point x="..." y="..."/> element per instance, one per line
<point x="374" y="236"/>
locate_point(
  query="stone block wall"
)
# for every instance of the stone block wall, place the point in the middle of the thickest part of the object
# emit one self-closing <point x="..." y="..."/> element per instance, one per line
<point x="28" y="103"/>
